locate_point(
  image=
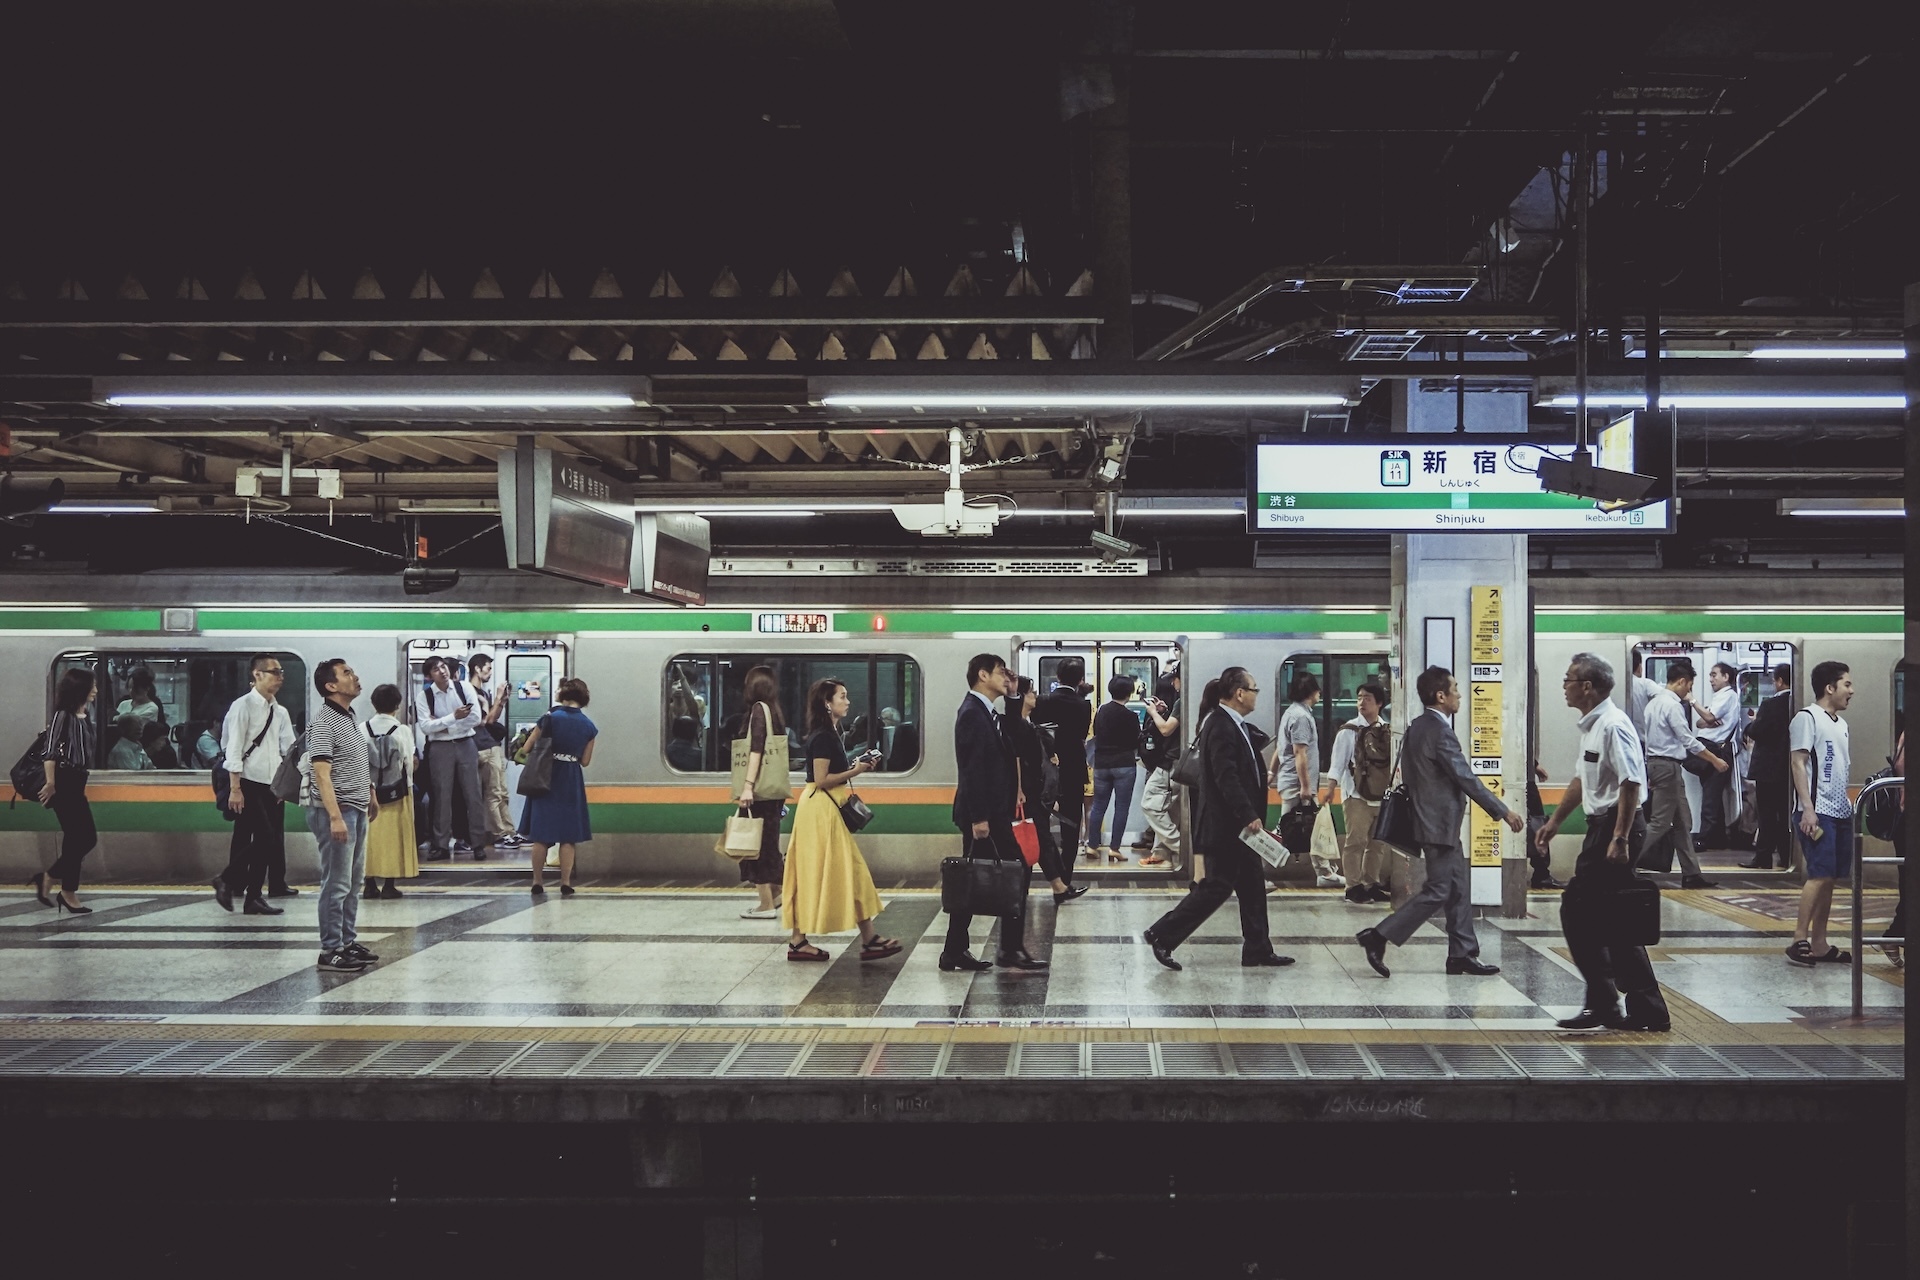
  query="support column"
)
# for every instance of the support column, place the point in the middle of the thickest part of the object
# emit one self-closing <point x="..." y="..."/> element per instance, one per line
<point x="1909" y="878"/>
<point x="1461" y="601"/>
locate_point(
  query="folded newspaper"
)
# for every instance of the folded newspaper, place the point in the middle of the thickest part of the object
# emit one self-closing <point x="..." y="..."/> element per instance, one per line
<point x="1264" y="844"/>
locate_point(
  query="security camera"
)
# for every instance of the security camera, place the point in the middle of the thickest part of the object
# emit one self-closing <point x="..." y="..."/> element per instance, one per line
<point x="1112" y="548"/>
<point x="420" y="581"/>
<point x="1579" y="478"/>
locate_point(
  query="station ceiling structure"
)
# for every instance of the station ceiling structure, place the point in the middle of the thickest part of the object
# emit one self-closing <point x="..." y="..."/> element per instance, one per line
<point x="746" y="201"/>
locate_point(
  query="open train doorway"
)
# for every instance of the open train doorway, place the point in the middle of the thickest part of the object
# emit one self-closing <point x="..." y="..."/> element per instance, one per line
<point x="524" y="675"/>
<point x="1143" y="666"/>
<point x="1731" y="679"/>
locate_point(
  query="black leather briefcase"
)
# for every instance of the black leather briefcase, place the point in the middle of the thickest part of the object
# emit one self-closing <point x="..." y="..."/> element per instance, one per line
<point x="1632" y="913"/>
<point x="982" y="886"/>
<point x="1393" y="825"/>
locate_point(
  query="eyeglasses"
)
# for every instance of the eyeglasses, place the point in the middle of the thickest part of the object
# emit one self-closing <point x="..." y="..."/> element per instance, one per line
<point x="1575" y="680"/>
<point x="273" y="671"/>
<point x="1249" y="688"/>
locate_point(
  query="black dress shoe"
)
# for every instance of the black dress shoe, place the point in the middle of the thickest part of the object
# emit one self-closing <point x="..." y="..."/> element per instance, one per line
<point x="223" y="894"/>
<point x="1073" y="891"/>
<point x="1546" y="882"/>
<point x="1647" y="1024"/>
<point x="1379" y="893"/>
<point x="1019" y="960"/>
<point x="259" y="906"/>
<point x="962" y="962"/>
<point x="1375" y="944"/>
<point x="438" y="855"/>
<point x="1594" y="1020"/>
<point x="1698" y="882"/>
<point x="1757" y="865"/>
<point x="282" y="891"/>
<point x="1457" y="965"/>
<point x="1161" y="951"/>
<point x="1267" y="962"/>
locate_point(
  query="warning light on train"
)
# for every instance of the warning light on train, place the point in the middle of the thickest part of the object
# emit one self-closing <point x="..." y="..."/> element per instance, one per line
<point x="879" y="622"/>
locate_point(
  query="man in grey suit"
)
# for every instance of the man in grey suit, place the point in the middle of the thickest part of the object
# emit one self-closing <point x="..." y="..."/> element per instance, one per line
<point x="1436" y="774"/>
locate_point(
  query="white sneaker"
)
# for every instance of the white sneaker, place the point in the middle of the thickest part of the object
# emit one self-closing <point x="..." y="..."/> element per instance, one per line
<point x="1330" y="882"/>
<point x="760" y="913"/>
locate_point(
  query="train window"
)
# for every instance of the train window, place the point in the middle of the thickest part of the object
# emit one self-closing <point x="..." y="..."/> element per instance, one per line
<point x="163" y="711"/>
<point x="703" y="706"/>
<point x="1340" y="676"/>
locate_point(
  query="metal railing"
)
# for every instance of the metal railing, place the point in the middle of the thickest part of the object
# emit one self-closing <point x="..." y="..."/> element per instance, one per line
<point x="1860" y="942"/>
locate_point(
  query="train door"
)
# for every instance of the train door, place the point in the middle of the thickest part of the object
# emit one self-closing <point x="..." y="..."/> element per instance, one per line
<point x="1340" y="676"/>
<point x="1143" y="663"/>
<point x="526" y="674"/>
<point x="1752" y="662"/>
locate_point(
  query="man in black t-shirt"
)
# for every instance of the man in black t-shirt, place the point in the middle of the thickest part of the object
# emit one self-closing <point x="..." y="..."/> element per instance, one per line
<point x="1065" y="709"/>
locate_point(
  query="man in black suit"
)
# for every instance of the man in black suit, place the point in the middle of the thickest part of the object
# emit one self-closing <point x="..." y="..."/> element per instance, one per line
<point x="1065" y="710"/>
<point x="983" y="803"/>
<point x="1230" y="801"/>
<point x="1767" y="755"/>
<point x="1440" y="782"/>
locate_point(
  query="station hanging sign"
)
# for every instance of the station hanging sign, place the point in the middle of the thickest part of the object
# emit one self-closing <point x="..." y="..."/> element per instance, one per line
<point x="1482" y="483"/>
<point x="672" y="555"/>
<point x="561" y="518"/>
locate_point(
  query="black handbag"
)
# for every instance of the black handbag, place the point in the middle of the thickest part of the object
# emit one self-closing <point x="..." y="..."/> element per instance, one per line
<point x="29" y="775"/>
<point x="1626" y="916"/>
<point x="973" y="886"/>
<point x="1393" y="825"/>
<point x="536" y="775"/>
<point x="1296" y="827"/>
<point x="855" y="814"/>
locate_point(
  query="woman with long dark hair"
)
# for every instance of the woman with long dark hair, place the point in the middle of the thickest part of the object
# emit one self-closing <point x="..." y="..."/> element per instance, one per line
<point x="828" y="886"/>
<point x="1030" y="756"/>
<point x="560" y="816"/>
<point x="763" y="724"/>
<point x="65" y="758"/>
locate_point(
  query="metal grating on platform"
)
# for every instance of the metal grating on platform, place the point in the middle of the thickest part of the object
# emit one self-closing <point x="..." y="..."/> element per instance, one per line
<point x="764" y="1060"/>
<point x="1112" y="1060"/>
<point x="845" y="1060"/>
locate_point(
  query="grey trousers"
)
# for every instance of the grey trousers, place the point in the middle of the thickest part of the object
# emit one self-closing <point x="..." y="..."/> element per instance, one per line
<point x="1446" y="890"/>
<point x="1668" y="814"/>
<point x="455" y="766"/>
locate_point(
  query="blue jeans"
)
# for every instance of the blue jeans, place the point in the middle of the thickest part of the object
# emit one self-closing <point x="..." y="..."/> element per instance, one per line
<point x="1115" y="785"/>
<point x="343" y="864"/>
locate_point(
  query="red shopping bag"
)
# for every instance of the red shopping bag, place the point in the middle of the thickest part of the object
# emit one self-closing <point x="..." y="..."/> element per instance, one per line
<point x="1027" y="836"/>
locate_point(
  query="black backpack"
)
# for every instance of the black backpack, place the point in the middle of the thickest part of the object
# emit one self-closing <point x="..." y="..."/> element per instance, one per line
<point x="29" y="771"/>
<point x="1882" y="814"/>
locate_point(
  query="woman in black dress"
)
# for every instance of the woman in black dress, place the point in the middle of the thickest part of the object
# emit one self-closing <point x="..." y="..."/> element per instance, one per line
<point x="65" y="757"/>
<point x="1030" y="756"/>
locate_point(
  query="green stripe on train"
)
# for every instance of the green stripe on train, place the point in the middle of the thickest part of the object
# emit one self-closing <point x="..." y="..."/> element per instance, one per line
<point x="1656" y="624"/>
<point x="534" y="620"/>
<point x="1231" y="622"/>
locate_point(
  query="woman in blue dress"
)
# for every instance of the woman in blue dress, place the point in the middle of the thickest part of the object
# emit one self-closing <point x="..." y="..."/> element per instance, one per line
<point x="560" y="816"/>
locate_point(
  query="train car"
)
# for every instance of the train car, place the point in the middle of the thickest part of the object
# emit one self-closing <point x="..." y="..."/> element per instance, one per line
<point x="666" y="682"/>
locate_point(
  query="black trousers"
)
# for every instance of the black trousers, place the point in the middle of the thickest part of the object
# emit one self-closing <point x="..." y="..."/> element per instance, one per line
<point x="1232" y="869"/>
<point x="78" y="835"/>
<point x="258" y="848"/>
<point x="1072" y="808"/>
<point x="1771" y="838"/>
<point x="998" y="845"/>
<point x="1609" y="967"/>
<point x="1052" y="865"/>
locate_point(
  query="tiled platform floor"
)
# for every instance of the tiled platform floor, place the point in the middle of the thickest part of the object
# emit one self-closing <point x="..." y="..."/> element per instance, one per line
<point x="480" y="978"/>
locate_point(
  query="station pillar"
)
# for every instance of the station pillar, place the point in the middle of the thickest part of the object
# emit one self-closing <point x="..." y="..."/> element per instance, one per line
<point x="1461" y="601"/>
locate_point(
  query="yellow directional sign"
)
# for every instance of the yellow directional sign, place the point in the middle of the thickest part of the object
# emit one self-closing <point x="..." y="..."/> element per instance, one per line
<point x="1486" y="631"/>
<point x="1483" y="843"/>
<point x="1484" y="713"/>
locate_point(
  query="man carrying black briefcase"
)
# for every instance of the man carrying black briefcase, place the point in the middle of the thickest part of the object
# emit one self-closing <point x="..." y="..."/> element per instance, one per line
<point x="1609" y="914"/>
<point x="990" y="872"/>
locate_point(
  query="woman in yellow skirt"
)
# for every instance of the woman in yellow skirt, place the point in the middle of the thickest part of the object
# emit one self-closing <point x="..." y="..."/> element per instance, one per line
<point x="828" y="887"/>
<point x="391" y="851"/>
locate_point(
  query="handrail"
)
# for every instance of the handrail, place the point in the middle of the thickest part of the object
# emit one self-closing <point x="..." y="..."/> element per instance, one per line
<point x="1859" y="959"/>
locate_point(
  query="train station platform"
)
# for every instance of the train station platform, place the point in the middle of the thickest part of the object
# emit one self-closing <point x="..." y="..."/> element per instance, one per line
<point x="488" y="1003"/>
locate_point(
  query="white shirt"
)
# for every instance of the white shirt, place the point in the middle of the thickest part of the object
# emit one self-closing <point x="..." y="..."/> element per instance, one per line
<point x="1725" y="705"/>
<point x="245" y="719"/>
<point x="1610" y="757"/>
<point x="1667" y="734"/>
<point x="442" y="727"/>
<point x="991" y="709"/>
<point x="1823" y="736"/>
<point x="1240" y="722"/>
<point x="1341" y="768"/>
<point x="1640" y="691"/>
<point x="378" y="725"/>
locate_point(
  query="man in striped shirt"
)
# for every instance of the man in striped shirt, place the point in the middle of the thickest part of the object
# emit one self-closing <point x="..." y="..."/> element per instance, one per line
<point x="340" y="806"/>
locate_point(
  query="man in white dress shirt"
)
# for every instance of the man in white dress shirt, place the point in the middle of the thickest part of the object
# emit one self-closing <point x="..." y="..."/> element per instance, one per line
<point x="492" y="698"/>
<point x="1670" y="740"/>
<point x="1718" y="721"/>
<point x="254" y="738"/>
<point x="447" y="715"/>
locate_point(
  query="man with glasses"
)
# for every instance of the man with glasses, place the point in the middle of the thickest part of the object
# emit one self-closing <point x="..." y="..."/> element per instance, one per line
<point x="257" y="733"/>
<point x="1230" y="802"/>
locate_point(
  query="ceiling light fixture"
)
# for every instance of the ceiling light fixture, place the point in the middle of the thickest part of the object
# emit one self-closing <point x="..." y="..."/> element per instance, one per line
<point x="1732" y="400"/>
<point x="1844" y="508"/>
<point x="104" y="508"/>
<point x="1077" y="400"/>
<point x="1829" y="353"/>
<point x="374" y="400"/>
<point x="791" y="513"/>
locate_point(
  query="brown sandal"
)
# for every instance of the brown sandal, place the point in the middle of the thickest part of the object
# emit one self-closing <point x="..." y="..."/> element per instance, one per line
<point x="805" y="951"/>
<point x="879" y="948"/>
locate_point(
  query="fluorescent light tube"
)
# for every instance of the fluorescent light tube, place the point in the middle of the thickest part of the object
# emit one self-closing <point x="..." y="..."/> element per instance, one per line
<point x="1733" y="400"/>
<point x="1829" y="353"/>
<point x="1844" y="508"/>
<point x="721" y="513"/>
<point x="371" y="400"/>
<point x="103" y="508"/>
<point x="1075" y="400"/>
